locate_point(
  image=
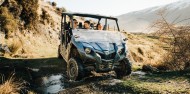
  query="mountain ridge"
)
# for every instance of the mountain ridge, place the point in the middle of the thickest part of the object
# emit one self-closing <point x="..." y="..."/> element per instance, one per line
<point x="139" y="21"/>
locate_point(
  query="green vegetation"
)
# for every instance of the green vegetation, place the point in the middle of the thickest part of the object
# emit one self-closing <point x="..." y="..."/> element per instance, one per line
<point x="160" y="83"/>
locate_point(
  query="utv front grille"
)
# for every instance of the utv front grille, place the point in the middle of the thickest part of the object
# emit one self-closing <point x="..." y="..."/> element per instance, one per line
<point x="122" y="51"/>
<point x="109" y="56"/>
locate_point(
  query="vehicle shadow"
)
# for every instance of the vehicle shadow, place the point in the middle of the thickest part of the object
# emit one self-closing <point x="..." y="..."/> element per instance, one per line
<point x="29" y="69"/>
<point x="33" y="71"/>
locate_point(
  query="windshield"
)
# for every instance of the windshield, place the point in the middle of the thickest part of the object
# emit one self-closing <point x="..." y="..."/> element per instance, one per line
<point x="94" y="23"/>
<point x="98" y="36"/>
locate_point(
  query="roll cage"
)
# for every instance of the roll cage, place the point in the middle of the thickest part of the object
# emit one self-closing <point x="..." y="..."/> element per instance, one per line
<point x="66" y="28"/>
<point x="99" y="17"/>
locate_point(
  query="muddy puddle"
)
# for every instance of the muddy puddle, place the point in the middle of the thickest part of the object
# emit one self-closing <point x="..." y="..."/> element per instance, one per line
<point x="50" y="84"/>
<point x="37" y="82"/>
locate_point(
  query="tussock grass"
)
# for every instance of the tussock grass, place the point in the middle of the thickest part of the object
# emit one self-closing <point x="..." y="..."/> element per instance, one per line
<point x="145" y="50"/>
<point x="11" y="86"/>
<point x="14" y="46"/>
<point x="7" y="21"/>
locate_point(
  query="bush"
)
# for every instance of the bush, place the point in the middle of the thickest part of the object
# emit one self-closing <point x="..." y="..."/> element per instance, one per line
<point x="15" y="46"/>
<point x="178" y="56"/>
<point x="8" y="23"/>
<point x="14" y="8"/>
<point x="29" y="12"/>
<point x="45" y="16"/>
<point x="54" y="4"/>
<point x="60" y="10"/>
<point x="11" y="86"/>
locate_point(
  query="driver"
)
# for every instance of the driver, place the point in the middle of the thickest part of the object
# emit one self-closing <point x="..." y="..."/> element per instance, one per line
<point x="87" y="24"/>
<point x="75" y="25"/>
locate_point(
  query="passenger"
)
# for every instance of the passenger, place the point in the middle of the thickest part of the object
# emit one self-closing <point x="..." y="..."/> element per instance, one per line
<point x="99" y="26"/>
<point x="87" y="24"/>
<point x="75" y="24"/>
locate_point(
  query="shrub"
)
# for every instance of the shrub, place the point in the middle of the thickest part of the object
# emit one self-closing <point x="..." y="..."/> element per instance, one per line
<point x="14" y="8"/>
<point x="45" y="16"/>
<point x="15" y="46"/>
<point x="29" y="12"/>
<point x="11" y="86"/>
<point x="8" y="23"/>
<point x="60" y="10"/>
<point x="178" y="56"/>
<point x="54" y="4"/>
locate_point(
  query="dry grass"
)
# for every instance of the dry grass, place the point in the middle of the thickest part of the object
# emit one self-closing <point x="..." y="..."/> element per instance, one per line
<point x="14" y="45"/>
<point x="11" y="86"/>
<point x="31" y="43"/>
<point x="177" y="57"/>
<point x="145" y="50"/>
<point x="7" y="21"/>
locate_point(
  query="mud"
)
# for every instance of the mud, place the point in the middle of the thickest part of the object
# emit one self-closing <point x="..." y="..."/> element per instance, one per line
<point x="48" y="76"/>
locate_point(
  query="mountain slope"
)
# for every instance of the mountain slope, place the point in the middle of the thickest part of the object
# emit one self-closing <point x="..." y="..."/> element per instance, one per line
<point x="139" y="21"/>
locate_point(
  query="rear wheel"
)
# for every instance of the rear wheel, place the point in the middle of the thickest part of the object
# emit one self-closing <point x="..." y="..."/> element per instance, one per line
<point x="124" y="68"/>
<point x="75" y="69"/>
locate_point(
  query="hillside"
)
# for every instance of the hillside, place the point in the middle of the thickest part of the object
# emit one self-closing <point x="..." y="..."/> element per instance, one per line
<point x="33" y="38"/>
<point x="42" y="40"/>
<point x="139" y="21"/>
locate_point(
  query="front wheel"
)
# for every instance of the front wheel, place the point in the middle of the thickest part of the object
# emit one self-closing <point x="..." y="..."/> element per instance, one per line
<point x="75" y="69"/>
<point x="124" y="68"/>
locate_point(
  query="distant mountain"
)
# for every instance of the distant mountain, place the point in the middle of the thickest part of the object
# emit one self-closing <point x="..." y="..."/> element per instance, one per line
<point x="139" y="21"/>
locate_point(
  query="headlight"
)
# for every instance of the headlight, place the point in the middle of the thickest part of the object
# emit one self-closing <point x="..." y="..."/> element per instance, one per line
<point x="98" y="55"/>
<point x="87" y="50"/>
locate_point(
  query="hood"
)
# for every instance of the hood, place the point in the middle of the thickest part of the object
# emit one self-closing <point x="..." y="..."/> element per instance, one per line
<point x="98" y="36"/>
<point x="100" y="46"/>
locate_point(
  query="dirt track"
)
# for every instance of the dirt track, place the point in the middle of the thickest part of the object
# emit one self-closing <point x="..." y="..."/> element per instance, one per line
<point x="47" y="75"/>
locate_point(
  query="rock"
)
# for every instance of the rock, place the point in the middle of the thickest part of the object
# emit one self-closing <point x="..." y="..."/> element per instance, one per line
<point x="149" y="68"/>
<point x="4" y="49"/>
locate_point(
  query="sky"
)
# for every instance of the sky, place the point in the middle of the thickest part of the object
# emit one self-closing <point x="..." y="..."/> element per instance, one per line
<point x="109" y="7"/>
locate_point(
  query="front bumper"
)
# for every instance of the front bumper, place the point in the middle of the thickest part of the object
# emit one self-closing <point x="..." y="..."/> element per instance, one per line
<point x="100" y="63"/>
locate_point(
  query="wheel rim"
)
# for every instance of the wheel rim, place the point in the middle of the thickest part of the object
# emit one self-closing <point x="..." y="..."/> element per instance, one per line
<point x="73" y="71"/>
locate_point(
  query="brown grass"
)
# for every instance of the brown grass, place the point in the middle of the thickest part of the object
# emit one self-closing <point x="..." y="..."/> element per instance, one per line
<point x="7" y="21"/>
<point x="178" y="40"/>
<point x="11" y="86"/>
<point x="15" y="45"/>
<point x="145" y="50"/>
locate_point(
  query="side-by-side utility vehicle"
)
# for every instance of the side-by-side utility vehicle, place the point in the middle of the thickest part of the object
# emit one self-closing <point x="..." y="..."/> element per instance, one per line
<point x="93" y="49"/>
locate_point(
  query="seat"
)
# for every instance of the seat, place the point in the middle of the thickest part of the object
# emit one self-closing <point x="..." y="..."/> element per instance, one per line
<point x="80" y="25"/>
